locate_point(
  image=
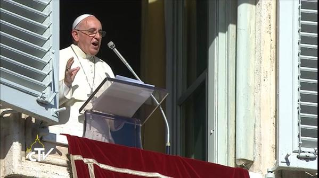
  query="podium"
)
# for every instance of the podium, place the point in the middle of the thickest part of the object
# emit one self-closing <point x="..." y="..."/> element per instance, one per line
<point x="118" y="108"/>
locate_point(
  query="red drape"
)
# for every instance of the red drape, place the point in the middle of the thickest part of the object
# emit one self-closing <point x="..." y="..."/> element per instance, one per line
<point x="110" y="160"/>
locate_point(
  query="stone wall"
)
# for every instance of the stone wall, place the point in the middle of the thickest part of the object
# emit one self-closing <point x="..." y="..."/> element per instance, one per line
<point x="18" y="132"/>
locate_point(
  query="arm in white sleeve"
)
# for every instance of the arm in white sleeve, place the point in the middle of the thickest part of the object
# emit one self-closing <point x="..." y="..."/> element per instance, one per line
<point x="65" y="92"/>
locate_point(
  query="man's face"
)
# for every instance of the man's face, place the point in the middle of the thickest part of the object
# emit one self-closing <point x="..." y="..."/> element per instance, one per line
<point x="84" y="35"/>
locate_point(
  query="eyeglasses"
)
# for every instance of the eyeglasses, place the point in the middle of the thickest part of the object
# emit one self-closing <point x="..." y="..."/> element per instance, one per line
<point x="92" y="32"/>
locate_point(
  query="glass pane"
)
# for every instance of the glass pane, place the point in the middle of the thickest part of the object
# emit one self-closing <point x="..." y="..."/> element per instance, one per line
<point x="195" y="40"/>
<point x="194" y="124"/>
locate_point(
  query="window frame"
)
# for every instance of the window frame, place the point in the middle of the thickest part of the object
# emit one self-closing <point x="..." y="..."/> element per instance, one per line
<point x="221" y="51"/>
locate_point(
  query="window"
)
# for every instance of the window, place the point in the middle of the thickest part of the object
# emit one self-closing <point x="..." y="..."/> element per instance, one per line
<point x="192" y="83"/>
<point x="200" y="46"/>
<point x="187" y="58"/>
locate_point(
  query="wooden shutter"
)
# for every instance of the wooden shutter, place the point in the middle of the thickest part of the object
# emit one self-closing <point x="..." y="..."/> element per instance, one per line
<point x="29" y="33"/>
<point x="308" y="81"/>
<point x="297" y="85"/>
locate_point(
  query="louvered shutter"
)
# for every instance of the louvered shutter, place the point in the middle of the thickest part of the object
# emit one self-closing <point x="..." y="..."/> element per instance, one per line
<point x="297" y="86"/>
<point x="29" y="44"/>
<point x="308" y="116"/>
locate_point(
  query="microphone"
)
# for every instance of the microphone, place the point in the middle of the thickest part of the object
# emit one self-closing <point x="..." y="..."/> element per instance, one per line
<point x="111" y="45"/>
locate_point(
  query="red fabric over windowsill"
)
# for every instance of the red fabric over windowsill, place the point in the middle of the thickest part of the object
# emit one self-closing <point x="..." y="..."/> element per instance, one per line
<point x="141" y="160"/>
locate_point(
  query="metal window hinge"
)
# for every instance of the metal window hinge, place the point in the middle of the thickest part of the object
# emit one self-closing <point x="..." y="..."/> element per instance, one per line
<point x="56" y="111"/>
<point x="307" y="156"/>
<point x="286" y="159"/>
<point x="45" y="99"/>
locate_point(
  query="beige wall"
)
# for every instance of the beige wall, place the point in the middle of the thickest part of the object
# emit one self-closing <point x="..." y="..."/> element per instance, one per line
<point x="265" y="86"/>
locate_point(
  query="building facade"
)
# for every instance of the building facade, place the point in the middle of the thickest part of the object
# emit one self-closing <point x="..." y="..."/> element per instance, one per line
<point x="242" y="78"/>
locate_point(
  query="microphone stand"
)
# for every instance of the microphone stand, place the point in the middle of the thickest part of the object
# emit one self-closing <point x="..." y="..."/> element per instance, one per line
<point x="111" y="45"/>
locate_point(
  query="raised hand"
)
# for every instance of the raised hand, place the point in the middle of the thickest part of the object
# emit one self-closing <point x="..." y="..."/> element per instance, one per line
<point x="70" y="73"/>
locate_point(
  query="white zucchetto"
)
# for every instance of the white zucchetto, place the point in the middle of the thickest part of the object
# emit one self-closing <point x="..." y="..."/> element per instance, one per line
<point x="79" y="19"/>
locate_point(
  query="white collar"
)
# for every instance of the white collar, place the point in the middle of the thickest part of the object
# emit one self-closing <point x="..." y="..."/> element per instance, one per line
<point x="81" y="53"/>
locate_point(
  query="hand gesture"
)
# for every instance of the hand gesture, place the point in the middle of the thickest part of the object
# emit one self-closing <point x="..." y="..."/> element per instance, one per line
<point x="70" y="73"/>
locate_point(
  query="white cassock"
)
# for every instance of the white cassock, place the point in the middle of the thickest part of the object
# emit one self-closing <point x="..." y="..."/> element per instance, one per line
<point x="92" y="72"/>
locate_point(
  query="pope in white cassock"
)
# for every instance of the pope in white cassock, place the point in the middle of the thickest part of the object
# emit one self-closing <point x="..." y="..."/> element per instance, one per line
<point x="80" y="74"/>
